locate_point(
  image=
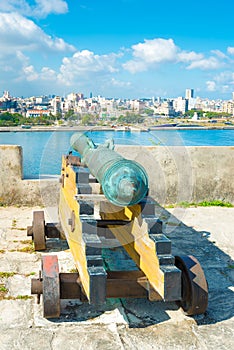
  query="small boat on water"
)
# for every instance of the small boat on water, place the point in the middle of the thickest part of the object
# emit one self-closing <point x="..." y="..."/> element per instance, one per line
<point x="169" y="125"/>
<point x="129" y="128"/>
<point x="26" y="126"/>
<point x="189" y="125"/>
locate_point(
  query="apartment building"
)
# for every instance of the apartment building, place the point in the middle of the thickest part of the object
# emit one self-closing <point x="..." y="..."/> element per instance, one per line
<point x="228" y="107"/>
<point x="180" y="104"/>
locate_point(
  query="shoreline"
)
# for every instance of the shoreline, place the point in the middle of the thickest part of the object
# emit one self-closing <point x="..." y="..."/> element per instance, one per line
<point x="106" y="128"/>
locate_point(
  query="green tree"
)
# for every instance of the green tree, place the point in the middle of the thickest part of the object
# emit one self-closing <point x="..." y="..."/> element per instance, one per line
<point x="69" y="114"/>
<point x="88" y="119"/>
<point x="8" y="119"/>
<point x="130" y="118"/>
<point x="149" y="111"/>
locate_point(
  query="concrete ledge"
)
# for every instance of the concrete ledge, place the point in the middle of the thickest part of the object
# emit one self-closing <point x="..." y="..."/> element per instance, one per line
<point x="176" y="174"/>
<point x="15" y="190"/>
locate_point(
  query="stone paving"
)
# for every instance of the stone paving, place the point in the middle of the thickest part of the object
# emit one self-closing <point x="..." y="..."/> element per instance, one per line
<point x="206" y="233"/>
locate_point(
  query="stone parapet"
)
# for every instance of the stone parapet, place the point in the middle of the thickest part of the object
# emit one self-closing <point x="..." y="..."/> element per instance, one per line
<point x="176" y="174"/>
<point x="15" y="190"/>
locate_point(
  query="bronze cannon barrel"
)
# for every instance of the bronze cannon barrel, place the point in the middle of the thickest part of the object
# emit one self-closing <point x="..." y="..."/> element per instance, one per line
<point x="124" y="182"/>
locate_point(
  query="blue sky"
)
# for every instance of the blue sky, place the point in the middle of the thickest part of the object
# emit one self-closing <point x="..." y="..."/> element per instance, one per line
<point x="118" y="48"/>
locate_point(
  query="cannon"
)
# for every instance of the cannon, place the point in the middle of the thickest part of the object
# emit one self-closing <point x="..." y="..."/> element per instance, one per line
<point x="124" y="182"/>
<point x="119" y="249"/>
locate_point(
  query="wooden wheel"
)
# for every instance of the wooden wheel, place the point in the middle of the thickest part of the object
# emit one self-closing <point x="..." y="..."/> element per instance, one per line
<point x="194" y="286"/>
<point x="51" y="286"/>
<point x="39" y="230"/>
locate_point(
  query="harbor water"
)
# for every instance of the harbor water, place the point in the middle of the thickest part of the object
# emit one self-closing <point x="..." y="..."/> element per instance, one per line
<point x="43" y="150"/>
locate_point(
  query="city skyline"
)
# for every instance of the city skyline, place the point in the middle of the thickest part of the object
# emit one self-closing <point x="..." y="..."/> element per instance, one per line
<point x="122" y="49"/>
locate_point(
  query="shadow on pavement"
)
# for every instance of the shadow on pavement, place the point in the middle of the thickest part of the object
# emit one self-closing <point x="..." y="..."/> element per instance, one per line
<point x="217" y="266"/>
<point x="140" y="313"/>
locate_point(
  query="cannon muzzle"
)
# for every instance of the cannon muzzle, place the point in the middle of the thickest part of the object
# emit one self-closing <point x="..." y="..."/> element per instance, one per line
<point x="124" y="182"/>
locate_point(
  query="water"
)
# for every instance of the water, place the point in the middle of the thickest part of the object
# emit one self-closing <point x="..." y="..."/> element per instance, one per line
<point x="42" y="151"/>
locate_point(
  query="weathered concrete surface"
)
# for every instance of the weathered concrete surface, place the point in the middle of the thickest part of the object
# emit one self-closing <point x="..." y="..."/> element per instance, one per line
<point x="207" y="233"/>
<point x="176" y="174"/>
<point x="186" y="173"/>
<point x="13" y="189"/>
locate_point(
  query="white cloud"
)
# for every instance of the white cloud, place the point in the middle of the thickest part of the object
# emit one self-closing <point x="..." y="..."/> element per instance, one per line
<point x="158" y="51"/>
<point x="226" y="77"/>
<point x="45" y="7"/>
<point x="223" y="82"/>
<point x="135" y="66"/>
<point x="30" y="73"/>
<point x="211" y="85"/>
<point x="83" y="68"/>
<point x="11" y="66"/>
<point x="226" y="88"/>
<point x="20" y="6"/>
<point x="230" y="50"/>
<point x="40" y="9"/>
<point x="87" y="65"/>
<point x="218" y="53"/>
<point x="119" y="83"/>
<point x="185" y="56"/>
<point x="150" y="53"/>
<point x="21" y="57"/>
<point x="48" y="74"/>
<point x="19" y="33"/>
<point x="27" y="72"/>
<point x="206" y="64"/>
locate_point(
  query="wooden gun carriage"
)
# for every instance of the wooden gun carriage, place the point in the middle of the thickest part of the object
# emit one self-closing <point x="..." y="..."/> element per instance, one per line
<point x="120" y="214"/>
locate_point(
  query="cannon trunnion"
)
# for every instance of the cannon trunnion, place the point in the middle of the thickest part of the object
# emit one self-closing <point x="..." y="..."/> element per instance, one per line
<point x="96" y="226"/>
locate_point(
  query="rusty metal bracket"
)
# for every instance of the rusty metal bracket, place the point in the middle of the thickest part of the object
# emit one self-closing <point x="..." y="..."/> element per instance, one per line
<point x="51" y="286"/>
<point x="120" y="284"/>
<point x="51" y="230"/>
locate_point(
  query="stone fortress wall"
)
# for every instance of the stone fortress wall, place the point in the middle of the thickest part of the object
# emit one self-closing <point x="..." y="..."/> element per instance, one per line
<point x="176" y="174"/>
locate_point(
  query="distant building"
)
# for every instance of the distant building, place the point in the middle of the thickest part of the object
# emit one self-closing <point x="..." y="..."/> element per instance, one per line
<point x="6" y="96"/>
<point x="181" y="105"/>
<point x="165" y="108"/>
<point x="56" y="104"/>
<point x="189" y="93"/>
<point x="41" y="100"/>
<point x="137" y="106"/>
<point x="228" y="107"/>
<point x="192" y="103"/>
<point x="7" y="105"/>
<point x="37" y="113"/>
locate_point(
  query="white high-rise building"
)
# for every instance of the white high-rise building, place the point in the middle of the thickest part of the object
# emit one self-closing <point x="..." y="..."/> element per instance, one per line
<point x="6" y="96"/>
<point x="180" y="104"/>
<point x="189" y="93"/>
<point x="56" y="105"/>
